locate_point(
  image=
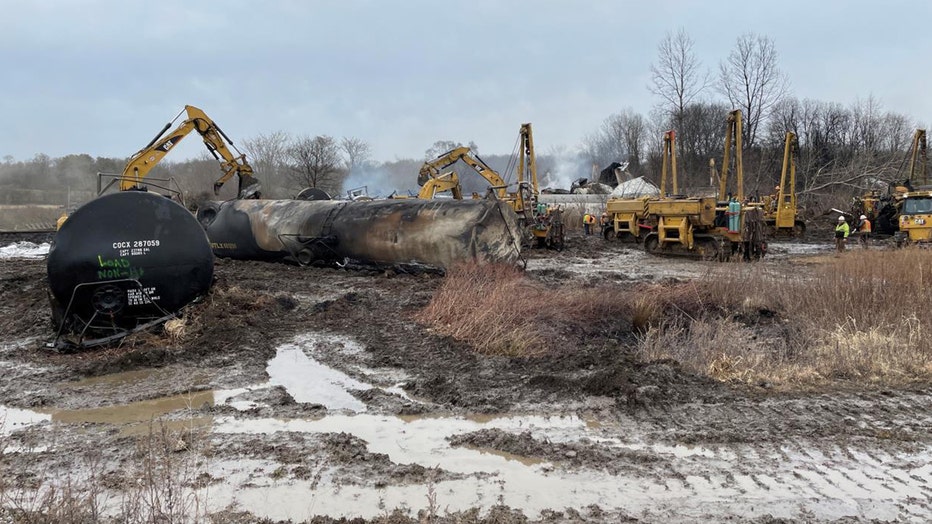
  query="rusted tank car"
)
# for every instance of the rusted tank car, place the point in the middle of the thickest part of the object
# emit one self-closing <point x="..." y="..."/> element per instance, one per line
<point x="435" y="233"/>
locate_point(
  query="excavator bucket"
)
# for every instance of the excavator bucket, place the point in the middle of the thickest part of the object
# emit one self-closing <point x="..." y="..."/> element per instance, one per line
<point x="249" y="187"/>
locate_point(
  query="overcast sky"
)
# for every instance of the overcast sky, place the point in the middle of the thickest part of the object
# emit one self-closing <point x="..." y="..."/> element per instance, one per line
<point x="102" y="77"/>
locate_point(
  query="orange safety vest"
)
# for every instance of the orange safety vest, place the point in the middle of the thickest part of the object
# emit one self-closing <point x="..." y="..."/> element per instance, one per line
<point x="865" y="227"/>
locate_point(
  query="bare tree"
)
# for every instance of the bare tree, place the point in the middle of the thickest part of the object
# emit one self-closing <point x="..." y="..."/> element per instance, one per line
<point x="700" y="138"/>
<point x="676" y="76"/>
<point x="268" y="155"/>
<point x="356" y="152"/>
<point x="443" y="146"/>
<point x="620" y="138"/>
<point x="752" y="82"/>
<point x="315" y="162"/>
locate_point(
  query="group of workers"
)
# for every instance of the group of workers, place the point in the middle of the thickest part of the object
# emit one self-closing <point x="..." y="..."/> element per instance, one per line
<point x="589" y="222"/>
<point x="843" y="230"/>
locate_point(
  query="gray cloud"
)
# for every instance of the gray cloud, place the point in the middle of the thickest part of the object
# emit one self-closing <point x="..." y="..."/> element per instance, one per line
<point x="100" y="77"/>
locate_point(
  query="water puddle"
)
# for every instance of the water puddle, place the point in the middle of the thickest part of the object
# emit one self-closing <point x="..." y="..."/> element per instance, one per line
<point x="15" y="419"/>
<point x="142" y="411"/>
<point x="304" y="378"/>
<point x="309" y="381"/>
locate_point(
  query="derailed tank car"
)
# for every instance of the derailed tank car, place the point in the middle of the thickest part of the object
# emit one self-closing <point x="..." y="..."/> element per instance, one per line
<point x="436" y="233"/>
<point x="122" y="262"/>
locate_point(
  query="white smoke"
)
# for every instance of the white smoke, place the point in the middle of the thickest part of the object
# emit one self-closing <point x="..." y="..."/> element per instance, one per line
<point x="560" y="171"/>
<point x="382" y="180"/>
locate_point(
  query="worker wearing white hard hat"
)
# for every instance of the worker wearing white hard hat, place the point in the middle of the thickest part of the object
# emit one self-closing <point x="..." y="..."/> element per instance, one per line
<point x="864" y="231"/>
<point x="841" y="234"/>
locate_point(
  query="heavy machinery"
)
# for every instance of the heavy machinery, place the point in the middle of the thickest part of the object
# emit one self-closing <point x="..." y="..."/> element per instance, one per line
<point x="543" y="224"/>
<point x="629" y="217"/>
<point x="915" y="209"/>
<point x="701" y="227"/>
<point x="448" y="181"/>
<point x="214" y="138"/>
<point x="780" y="211"/>
<point x="903" y="212"/>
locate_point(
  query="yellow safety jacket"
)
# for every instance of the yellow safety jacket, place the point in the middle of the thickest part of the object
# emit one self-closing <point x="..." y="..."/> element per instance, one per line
<point x="843" y="229"/>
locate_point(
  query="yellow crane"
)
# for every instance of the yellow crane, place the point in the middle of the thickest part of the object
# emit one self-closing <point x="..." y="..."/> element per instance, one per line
<point x="781" y="211"/>
<point x="706" y="228"/>
<point x="628" y="218"/>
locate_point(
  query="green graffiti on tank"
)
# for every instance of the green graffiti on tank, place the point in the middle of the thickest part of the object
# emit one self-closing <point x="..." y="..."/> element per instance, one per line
<point x="114" y="268"/>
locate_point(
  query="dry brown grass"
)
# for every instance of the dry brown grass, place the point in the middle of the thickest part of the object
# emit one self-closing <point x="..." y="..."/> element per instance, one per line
<point x="864" y="316"/>
<point x="499" y="311"/>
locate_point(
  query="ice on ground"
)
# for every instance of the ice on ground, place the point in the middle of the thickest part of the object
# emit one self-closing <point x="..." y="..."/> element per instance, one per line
<point x="25" y="250"/>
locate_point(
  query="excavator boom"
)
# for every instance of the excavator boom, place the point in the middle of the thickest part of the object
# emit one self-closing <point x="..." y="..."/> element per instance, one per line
<point x="432" y="169"/>
<point x="214" y="138"/>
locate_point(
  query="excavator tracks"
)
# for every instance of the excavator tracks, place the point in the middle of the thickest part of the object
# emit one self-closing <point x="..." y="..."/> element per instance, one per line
<point x="706" y="247"/>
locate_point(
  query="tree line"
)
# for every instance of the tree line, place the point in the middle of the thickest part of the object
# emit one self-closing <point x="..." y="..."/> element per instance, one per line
<point x="842" y="149"/>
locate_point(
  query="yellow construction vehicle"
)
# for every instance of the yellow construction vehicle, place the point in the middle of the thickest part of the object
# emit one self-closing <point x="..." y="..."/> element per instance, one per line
<point x="448" y="181"/>
<point x="891" y="213"/>
<point x="628" y="218"/>
<point x="780" y="211"/>
<point x="216" y="141"/>
<point x="431" y="170"/>
<point x="701" y="227"/>
<point x="544" y="224"/>
<point x="915" y="204"/>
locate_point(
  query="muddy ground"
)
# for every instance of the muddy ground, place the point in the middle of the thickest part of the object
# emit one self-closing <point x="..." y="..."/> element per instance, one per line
<point x="298" y="394"/>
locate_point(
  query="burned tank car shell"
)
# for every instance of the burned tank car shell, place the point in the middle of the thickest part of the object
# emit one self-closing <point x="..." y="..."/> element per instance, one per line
<point x="436" y="233"/>
<point x="125" y="258"/>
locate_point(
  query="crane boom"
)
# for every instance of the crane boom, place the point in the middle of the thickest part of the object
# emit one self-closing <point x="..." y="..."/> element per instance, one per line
<point x="732" y="136"/>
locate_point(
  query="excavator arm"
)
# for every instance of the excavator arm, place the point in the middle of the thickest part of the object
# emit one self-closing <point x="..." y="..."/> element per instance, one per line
<point x="214" y="138"/>
<point x="432" y="169"/>
<point x="446" y="182"/>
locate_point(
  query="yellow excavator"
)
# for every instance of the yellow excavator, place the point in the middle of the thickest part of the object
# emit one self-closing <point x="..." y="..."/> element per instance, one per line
<point x="543" y="223"/>
<point x="431" y="170"/>
<point x="141" y="162"/>
<point x="216" y="141"/>
<point x="448" y="181"/>
<point x="915" y="205"/>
